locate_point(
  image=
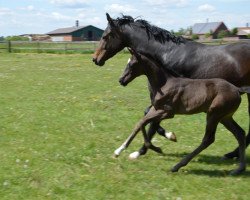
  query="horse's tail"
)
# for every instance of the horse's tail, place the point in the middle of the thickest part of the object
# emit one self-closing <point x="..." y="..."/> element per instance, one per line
<point x="245" y="89"/>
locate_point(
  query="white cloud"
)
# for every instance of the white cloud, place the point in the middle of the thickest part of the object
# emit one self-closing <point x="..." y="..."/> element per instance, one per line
<point x="5" y="11"/>
<point x="30" y="8"/>
<point x="206" y="8"/>
<point x="70" y="3"/>
<point x="119" y="8"/>
<point x="167" y="3"/>
<point x="58" y="16"/>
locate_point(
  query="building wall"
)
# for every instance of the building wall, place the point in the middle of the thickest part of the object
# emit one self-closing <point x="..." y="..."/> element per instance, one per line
<point x="222" y="27"/>
<point x="88" y="33"/>
<point x="67" y="38"/>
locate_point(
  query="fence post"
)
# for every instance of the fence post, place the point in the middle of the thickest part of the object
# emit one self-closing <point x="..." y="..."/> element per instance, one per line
<point x="9" y="46"/>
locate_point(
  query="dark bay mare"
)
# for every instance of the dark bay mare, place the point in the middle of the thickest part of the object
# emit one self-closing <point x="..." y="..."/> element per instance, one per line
<point x="174" y="95"/>
<point x="183" y="57"/>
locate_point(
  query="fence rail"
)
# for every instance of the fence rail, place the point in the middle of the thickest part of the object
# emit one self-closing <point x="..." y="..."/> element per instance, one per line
<point x="68" y="47"/>
<point x="48" y="47"/>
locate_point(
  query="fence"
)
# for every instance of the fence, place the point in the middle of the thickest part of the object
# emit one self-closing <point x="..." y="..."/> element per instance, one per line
<point x="48" y="47"/>
<point x="68" y="47"/>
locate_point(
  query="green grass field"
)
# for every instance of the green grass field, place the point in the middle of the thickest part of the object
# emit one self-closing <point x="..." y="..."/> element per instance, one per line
<point x="62" y="117"/>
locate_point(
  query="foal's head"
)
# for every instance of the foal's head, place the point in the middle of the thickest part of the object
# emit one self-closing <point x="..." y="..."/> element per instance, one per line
<point x="133" y="69"/>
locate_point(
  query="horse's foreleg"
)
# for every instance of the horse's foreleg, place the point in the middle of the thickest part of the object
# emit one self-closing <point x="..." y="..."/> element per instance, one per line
<point x="152" y="115"/>
<point x="161" y="131"/>
<point x="153" y="128"/>
<point x="208" y="139"/>
<point x="235" y="153"/>
<point x="143" y="150"/>
<point x="118" y="151"/>
<point x="239" y="134"/>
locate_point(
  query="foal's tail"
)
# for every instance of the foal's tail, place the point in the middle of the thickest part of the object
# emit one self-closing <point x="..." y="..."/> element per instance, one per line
<point x="245" y="89"/>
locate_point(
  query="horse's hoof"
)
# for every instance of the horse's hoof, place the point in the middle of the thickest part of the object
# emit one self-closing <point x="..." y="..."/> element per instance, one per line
<point x="134" y="155"/>
<point x="230" y="155"/>
<point x="237" y="172"/>
<point x="115" y="155"/>
<point x="171" y="136"/>
<point x="175" y="169"/>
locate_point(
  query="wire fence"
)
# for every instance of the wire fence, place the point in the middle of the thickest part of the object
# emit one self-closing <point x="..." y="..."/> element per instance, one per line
<point x="48" y="47"/>
<point x="69" y="47"/>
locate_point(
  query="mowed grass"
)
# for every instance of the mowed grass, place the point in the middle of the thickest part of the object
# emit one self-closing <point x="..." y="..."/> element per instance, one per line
<point x="61" y="118"/>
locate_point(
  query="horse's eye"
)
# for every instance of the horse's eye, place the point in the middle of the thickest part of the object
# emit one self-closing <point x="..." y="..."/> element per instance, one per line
<point x="105" y="37"/>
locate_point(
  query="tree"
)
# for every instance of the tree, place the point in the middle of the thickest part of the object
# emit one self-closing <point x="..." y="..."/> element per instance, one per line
<point x="234" y="32"/>
<point x="222" y="34"/>
<point x="16" y="38"/>
<point x="207" y="35"/>
<point x="1" y="38"/>
<point x="181" y="31"/>
<point x="195" y="37"/>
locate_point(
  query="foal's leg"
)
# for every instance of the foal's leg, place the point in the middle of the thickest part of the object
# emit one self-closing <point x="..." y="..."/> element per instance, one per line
<point x="152" y="114"/>
<point x="208" y="139"/>
<point x="143" y="150"/>
<point x="161" y="131"/>
<point x="239" y="134"/>
<point x="235" y="153"/>
<point x="153" y="127"/>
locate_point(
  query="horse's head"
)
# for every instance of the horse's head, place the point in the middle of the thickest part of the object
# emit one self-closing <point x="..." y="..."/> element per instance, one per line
<point x="110" y="43"/>
<point x="133" y="69"/>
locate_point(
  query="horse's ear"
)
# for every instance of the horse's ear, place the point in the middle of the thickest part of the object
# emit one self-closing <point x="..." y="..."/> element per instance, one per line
<point x="131" y="51"/>
<point x="134" y="53"/>
<point x="110" y="20"/>
<point x="137" y="55"/>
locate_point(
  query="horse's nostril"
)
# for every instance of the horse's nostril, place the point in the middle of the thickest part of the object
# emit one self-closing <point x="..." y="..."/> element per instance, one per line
<point x="120" y="81"/>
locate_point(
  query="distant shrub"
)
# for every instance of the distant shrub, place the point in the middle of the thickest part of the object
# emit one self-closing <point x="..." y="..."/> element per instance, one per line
<point x="207" y="35"/>
<point x="16" y="38"/>
<point x="222" y="34"/>
<point x="195" y="37"/>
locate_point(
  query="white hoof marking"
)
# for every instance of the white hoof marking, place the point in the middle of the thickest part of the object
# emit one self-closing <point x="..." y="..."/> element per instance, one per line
<point x="119" y="150"/>
<point x="134" y="155"/>
<point x="171" y="136"/>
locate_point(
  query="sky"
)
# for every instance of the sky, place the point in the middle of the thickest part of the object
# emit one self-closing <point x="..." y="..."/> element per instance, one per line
<point x="42" y="16"/>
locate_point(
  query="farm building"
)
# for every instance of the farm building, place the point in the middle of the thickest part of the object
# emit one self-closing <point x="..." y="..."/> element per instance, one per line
<point x="243" y="32"/>
<point x="213" y="28"/>
<point x="76" y="33"/>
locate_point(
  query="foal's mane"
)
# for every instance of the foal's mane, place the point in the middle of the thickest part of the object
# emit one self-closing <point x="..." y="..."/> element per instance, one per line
<point x="159" y="34"/>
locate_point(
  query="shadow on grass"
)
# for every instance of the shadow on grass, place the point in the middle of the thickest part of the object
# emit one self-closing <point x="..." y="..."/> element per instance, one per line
<point x="216" y="173"/>
<point x="209" y="159"/>
<point x="216" y="160"/>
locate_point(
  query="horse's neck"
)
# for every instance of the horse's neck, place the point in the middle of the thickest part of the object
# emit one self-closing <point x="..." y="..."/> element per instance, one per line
<point x="138" y="39"/>
<point x="156" y="76"/>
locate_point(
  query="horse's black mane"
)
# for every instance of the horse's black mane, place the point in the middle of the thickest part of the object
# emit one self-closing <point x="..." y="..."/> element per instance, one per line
<point x="159" y="34"/>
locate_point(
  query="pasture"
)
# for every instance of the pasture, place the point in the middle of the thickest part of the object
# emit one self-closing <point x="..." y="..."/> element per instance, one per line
<point x="62" y="117"/>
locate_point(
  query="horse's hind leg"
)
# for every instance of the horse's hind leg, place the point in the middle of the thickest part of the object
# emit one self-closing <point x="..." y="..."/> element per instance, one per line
<point x="235" y="153"/>
<point x="208" y="139"/>
<point x="239" y="134"/>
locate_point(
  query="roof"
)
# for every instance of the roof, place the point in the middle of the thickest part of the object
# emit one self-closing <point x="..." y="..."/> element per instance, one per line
<point x="203" y="28"/>
<point x="65" y="30"/>
<point x="243" y="31"/>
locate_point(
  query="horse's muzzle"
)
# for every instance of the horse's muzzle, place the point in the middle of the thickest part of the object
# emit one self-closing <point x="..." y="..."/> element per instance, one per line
<point x="98" y="63"/>
<point x="122" y="82"/>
